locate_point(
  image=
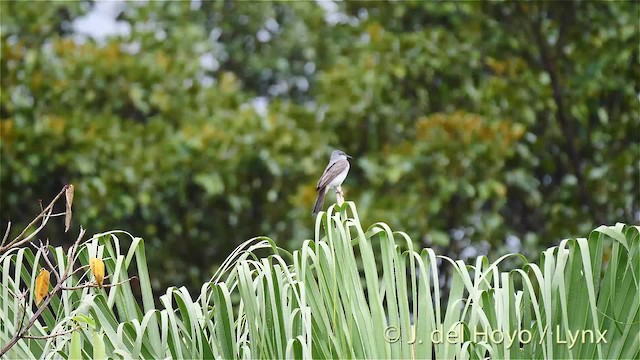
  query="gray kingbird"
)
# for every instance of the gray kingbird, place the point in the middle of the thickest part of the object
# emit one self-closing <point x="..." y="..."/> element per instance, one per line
<point x="333" y="176"/>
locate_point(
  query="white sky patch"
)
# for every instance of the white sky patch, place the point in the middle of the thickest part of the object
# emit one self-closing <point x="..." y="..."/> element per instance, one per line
<point x="332" y="14"/>
<point x="309" y="67"/>
<point x="209" y="62"/>
<point x="263" y="35"/>
<point x="272" y="25"/>
<point x="468" y="252"/>
<point x="513" y="244"/>
<point x="302" y="83"/>
<point x="131" y="48"/>
<point x="160" y="35"/>
<point x="215" y="33"/>
<point x="281" y="87"/>
<point x="261" y="105"/>
<point x="100" y="22"/>
<point x="207" y="81"/>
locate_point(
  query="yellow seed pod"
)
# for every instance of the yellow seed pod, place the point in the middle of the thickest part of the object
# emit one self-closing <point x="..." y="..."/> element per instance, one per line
<point x="42" y="285"/>
<point x="97" y="268"/>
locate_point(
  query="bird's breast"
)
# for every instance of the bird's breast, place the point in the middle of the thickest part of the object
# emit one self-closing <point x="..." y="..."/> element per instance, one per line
<point x="339" y="179"/>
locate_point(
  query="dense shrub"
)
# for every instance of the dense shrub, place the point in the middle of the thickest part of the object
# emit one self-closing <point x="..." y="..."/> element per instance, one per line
<point x="471" y="124"/>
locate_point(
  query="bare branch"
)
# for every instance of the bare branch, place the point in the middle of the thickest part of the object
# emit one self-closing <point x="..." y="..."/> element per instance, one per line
<point x="81" y="268"/>
<point x="44" y="249"/>
<point x="46" y="212"/>
<point x="52" y="335"/>
<point x="93" y="284"/>
<point x="6" y="234"/>
<point x="45" y="302"/>
<point x="72" y="251"/>
<point x="57" y="214"/>
<point x="45" y="219"/>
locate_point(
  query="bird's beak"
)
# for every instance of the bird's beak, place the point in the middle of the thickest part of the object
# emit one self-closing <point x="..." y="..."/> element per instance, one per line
<point x="348" y="156"/>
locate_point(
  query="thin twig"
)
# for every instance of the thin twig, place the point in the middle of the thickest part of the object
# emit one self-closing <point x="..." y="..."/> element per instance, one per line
<point x="67" y="273"/>
<point x="83" y="267"/>
<point x="93" y="285"/>
<point x="72" y="252"/>
<point x="6" y="234"/>
<point x="58" y="214"/>
<point x="42" y="214"/>
<point x="44" y="249"/>
<point x="52" y="335"/>
<point x="11" y="292"/>
<point x="45" y="219"/>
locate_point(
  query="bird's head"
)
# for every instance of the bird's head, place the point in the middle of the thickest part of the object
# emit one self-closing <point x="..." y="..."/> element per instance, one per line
<point x="339" y="154"/>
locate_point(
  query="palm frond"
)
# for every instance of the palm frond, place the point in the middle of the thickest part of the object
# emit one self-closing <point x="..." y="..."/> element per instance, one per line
<point x="349" y="293"/>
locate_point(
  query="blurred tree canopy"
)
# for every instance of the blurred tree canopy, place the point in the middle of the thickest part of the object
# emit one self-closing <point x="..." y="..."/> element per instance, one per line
<point x="472" y="125"/>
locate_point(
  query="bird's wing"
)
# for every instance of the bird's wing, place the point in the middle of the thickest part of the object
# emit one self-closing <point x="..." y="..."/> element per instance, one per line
<point x="331" y="172"/>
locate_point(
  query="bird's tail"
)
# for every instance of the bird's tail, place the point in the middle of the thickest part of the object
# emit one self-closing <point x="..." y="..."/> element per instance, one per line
<point x="319" y="201"/>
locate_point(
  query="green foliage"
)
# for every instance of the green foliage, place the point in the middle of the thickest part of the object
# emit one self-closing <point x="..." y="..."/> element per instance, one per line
<point x="331" y="298"/>
<point x="469" y="122"/>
